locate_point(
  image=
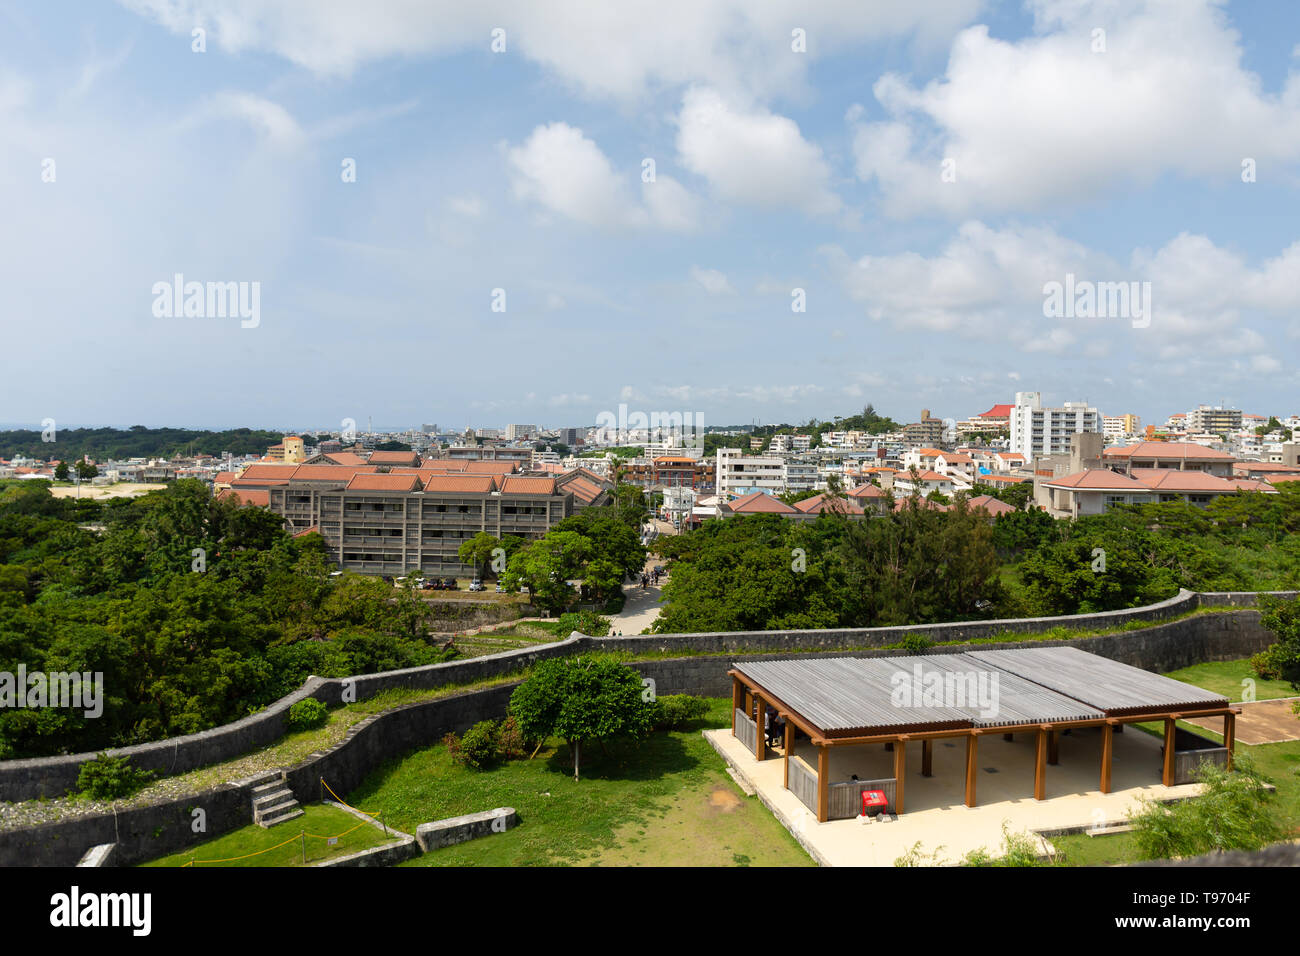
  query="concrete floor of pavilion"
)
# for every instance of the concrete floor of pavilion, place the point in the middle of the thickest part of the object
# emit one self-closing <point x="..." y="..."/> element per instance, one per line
<point x="934" y="810"/>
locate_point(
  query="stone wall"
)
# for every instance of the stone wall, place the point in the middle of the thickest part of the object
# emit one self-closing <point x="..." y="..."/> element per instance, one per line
<point x="56" y="776"/>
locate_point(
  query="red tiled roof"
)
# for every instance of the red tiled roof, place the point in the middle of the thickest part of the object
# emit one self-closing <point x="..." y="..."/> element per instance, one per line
<point x="819" y="503"/>
<point x="264" y="472"/>
<point x="1097" y="479"/>
<point x="491" y="467"/>
<point x="957" y="457"/>
<point x="394" y="458"/>
<point x="582" y="488"/>
<point x="519" y="485"/>
<point x="341" y="473"/>
<point x="1250" y="484"/>
<point x="759" y="502"/>
<point x="1279" y="479"/>
<point x="1167" y="450"/>
<point x="1243" y="467"/>
<point x="866" y="491"/>
<point x="224" y="477"/>
<point x="247" y="496"/>
<point x="372" y="482"/>
<point x="997" y="411"/>
<point x="990" y="504"/>
<point x="1172" y="479"/>
<point x="461" y="484"/>
<point x="306" y="531"/>
<point x="345" y="458"/>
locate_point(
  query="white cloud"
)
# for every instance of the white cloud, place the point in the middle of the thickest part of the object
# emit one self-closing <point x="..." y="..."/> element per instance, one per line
<point x="713" y="281"/>
<point x="611" y="50"/>
<point x="562" y="170"/>
<point x="752" y="156"/>
<point x="1045" y="119"/>
<point x="987" y="284"/>
<point x="270" y="119"/>
<point x="471" y="207"/>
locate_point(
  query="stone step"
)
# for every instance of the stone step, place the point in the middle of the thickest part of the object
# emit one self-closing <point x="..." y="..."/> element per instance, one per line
<point x="271" y="798"/>
<point x="281" y="817"/>
<point x="264" y="778"/>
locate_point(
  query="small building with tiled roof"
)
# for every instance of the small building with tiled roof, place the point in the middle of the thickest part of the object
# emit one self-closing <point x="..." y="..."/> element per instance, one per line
<point x="1182" y="456"/>
<point x="408" y="459"/>
<point x="756" y="502"/>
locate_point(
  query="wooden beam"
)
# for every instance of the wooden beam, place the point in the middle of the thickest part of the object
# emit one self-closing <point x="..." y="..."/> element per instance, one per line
<point x="823" y="784"/>
<point x="1168" y="776"/>
<point x="1230" y="735"/>
<point x="1040" y="765"/>
<point x="1107" y="753"/>
<point x="927" y="758"/>
<point x="972" y="757"/>
<point x="760" y="738"/>
<point x="1053" y="748"/>
<point x="900" y="771"/>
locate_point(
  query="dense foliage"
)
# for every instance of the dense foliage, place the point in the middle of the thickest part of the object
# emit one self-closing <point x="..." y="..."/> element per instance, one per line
<point x="134" y="442"/>
<point x="589" y="697"/>
<point x="195" y="611"/>
<point x="917" y="566"/>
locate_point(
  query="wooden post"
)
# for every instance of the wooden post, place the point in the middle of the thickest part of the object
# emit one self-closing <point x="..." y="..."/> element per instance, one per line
<point x="1171" y="725"/>
<point x="1230" y="735"/>
<point x="760" y="737"/>
<point x="972" y="756"/>
<point x="900" y="771"/>
<point x="789" y="734"/>
<point x="1053" y="750"/>
<point x="927" y="757"/>
<point x="1040" y="766"/>
<point x="1107" y="752"/>
<point x="823" y="783"/>
<point x="304" y="846"/>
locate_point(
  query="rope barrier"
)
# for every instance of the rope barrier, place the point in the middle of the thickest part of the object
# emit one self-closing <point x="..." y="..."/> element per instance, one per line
<point x="301" y="835"/>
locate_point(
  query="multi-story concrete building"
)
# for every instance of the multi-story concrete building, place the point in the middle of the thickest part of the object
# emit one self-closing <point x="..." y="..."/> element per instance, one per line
<point x="928" y="431"/>
<point x="1214" y="419"/>
<point x="737" y="473"/>
<point x="790" y="444"/>
<point x="1115" y="427"/>
<point x="1038" y="431"/>
<point x="516" y="432"/>
<point x="389" y="523"/>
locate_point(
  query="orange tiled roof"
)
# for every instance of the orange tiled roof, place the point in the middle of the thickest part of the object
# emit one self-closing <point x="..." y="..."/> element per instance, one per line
<point x="1171" y="479"/>
<point x="1098" y="479"/>
<point x="247" y="496"/>
<point x="342" y="473"/>
<point x="491" y="467"/>
<point x="372" y="482"/>
<point x="819" y="503"/>
<point x="584" y="489"/>
<point x="461" y="484"/>
<point x="394" y="458"/>
<point x="990" y="504"/>
<point x="1167" y="450"/>
<point x="759" y="502"/>
<point x="520" y="485"/>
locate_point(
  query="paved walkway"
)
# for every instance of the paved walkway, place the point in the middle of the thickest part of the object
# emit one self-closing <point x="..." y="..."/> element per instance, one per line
<point x="935" y="814"/>
<point x="1260" y="722"/>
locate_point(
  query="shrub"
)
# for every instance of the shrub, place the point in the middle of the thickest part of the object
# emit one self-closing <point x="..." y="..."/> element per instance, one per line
<point x="307" y="713"/>
<point x="1233" y="813"/>
<point x="1267" y="664"/>
<point x="511" y="743"/>
<point x="676" y="710"/>
<point x="916" y="643"/>
<point x="479" y="748"/>
<point x="110" y="778"/>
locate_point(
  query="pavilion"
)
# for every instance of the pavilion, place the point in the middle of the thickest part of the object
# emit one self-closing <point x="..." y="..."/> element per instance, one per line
<point x="892" y="701"/>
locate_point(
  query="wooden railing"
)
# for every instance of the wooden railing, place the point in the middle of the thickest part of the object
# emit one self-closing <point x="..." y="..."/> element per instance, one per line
<point x="803" y="783"/>
<point x="845" y="798"/>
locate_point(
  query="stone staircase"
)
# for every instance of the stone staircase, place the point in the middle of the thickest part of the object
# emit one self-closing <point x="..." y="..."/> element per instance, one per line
<point x="273" y="801"/>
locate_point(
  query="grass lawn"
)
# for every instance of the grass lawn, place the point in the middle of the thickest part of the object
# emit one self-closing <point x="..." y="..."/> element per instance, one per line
<point x="1279" y="762"/>
<point x="663" y="802"/>
<point x="319" y="821"/>
<point x="1225" y="677"/>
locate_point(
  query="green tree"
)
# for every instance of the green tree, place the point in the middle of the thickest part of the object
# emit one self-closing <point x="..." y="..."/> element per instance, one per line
<point x="582" y="698"/>
<point x="478" y="551"/>
<point x="86" y="471"/>
<point x="1282" y="617"/>
<point x="61" y="472"/>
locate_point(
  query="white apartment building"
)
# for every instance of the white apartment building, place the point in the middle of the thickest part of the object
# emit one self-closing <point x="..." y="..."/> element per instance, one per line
<point x="789" y="444"/>
<point x="516" y="432"/>
<point x="1038" y="431"/>
<point x="740" y="473"/>
<point x="800" y="475"/>
<point x="1116" y="427"/>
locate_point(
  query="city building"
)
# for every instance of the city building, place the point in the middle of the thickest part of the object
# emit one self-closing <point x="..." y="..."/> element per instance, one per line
<point x="1038" y="431"/>
<point x="1214" y="419"/>
<point x="738" y="474"/>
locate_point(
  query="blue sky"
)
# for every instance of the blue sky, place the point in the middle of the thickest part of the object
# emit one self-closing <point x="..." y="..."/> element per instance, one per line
<point x="522" y="170"/>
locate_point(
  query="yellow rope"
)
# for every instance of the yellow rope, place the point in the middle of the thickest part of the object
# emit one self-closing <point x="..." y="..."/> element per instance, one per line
<point x="342" y="801"/>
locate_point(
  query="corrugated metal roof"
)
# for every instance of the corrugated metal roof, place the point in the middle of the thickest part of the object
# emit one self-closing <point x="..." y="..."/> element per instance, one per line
<point x="889" y="695"/>
<point x="1098" y="681"/>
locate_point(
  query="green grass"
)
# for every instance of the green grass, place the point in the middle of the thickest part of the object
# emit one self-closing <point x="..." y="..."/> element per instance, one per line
<point x="319" y="822"/>
<point x="1225" y="677"/>
<point x="1279" y="762"/>
<point x="663" y="801"/>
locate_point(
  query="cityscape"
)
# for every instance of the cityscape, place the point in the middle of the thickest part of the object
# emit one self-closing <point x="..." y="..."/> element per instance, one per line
<point x="685" y="435"/>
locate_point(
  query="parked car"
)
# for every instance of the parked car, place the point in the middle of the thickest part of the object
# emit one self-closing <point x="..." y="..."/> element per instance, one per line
<point x="500" y="588"/>
<point x="476" y="585"/>
<point x="433" y="585"/>
<point x="450" y="584"/>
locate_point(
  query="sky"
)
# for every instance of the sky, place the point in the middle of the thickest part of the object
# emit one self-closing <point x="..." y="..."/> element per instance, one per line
<point x="537" y="212"/>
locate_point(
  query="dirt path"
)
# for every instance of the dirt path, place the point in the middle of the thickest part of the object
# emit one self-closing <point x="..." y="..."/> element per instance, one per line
<point x="1260" y="722"/>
